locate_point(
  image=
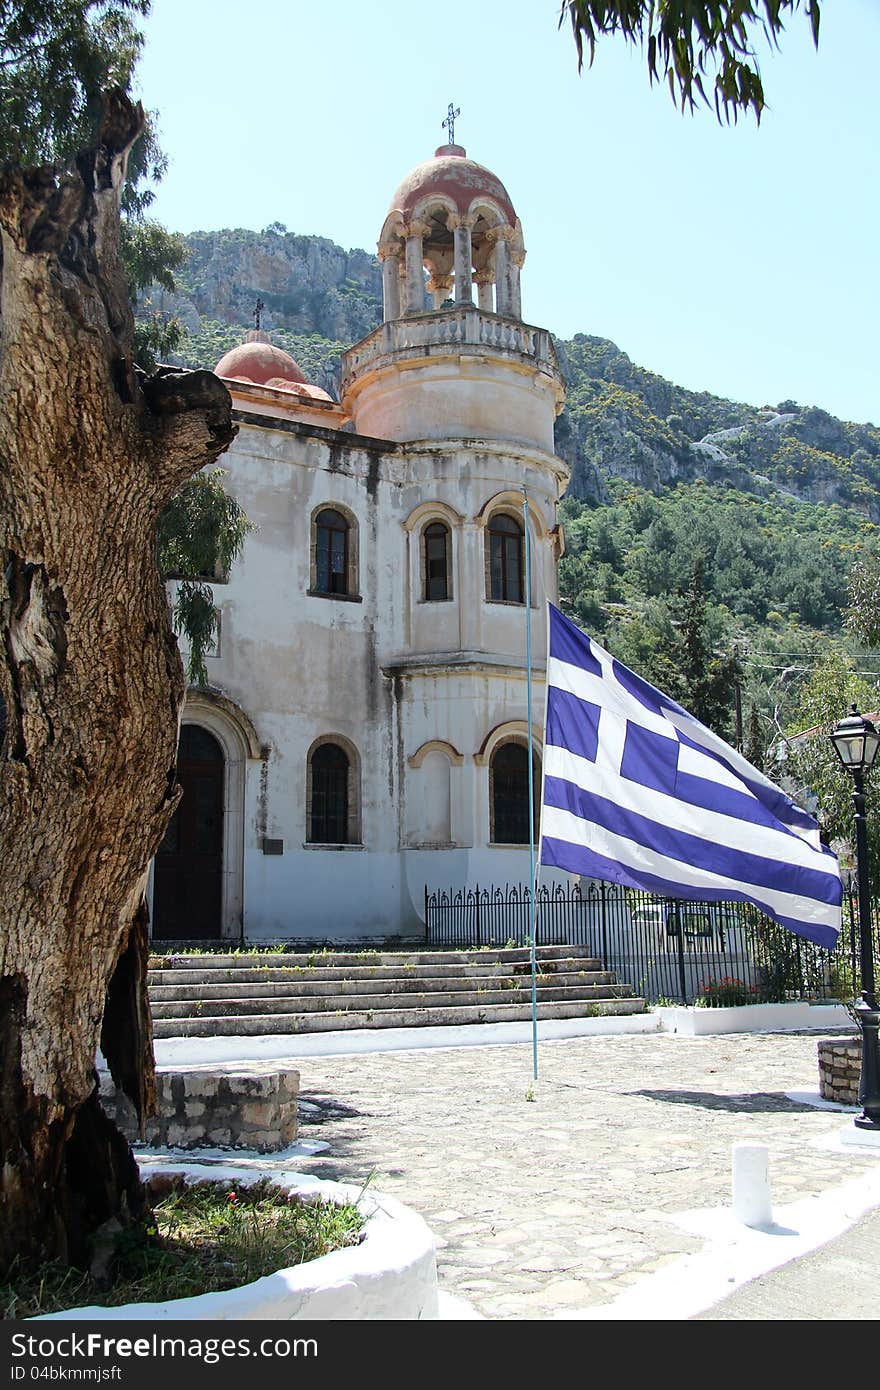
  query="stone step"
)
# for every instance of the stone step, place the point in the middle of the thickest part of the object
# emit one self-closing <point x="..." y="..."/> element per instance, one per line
<point x="358" y="1003"/>
<point x="245" y="975"/>
<point x="416" y="981"/>
<point x="334" y="959"/>
<point x="257" y="1024"/>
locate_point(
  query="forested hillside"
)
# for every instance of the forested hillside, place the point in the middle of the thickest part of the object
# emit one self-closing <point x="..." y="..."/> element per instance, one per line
<point x="708" y="542"/>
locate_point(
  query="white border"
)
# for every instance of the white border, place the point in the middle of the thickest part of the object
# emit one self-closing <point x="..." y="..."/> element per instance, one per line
<point x="755" y="1018"/>
<point x="391" y="1274"/>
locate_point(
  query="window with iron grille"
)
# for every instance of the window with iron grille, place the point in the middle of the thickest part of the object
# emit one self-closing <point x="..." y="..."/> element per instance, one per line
<point x="329" y="772"/>
<point x="509" y="794"/>
<point x="436" y="552"/>
<point x="331" y="552"/>
<point x="505" y="559"/>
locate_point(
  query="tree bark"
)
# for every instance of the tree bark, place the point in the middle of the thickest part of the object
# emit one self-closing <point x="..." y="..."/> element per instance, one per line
<point x="91" y="680"/>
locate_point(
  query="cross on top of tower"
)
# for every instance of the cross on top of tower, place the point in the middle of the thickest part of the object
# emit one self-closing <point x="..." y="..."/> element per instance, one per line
<point x="257" y="313"/>
<point x="450" y="121"/>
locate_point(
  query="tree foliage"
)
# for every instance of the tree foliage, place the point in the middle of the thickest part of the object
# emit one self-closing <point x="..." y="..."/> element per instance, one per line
<point x="57" y="57"/>
<point x="863" y="610"/>
<point x="150" y="256"/>
<point x="693" y="44"/>
<point x="679" y="646"/>
<point x="200" y="533"/>
<point x="708" y="671"/>
<point x="811" y="762"/>
<point x="769" y="562"/>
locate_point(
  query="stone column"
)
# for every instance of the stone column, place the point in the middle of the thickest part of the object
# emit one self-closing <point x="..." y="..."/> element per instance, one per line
<point x="414" y="281"/>
<point x="485" y="280"/>
<point x="501" y="236"/>
<point x="516" y="261"/>
<point x="439" y="286"/>
<point x="390" y="258"/>
<point x="461" y="231"/>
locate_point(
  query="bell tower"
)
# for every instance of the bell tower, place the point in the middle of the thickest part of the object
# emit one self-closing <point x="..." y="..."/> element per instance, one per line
<point x="453" y="357"/>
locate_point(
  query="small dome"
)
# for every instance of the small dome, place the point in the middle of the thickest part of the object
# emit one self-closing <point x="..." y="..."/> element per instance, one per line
<point x="452" y="175"/>
<point x="263" y="364"/>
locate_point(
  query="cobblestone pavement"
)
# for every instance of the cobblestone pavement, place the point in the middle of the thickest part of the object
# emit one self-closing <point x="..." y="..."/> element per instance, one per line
<point x="559" y="1196"/>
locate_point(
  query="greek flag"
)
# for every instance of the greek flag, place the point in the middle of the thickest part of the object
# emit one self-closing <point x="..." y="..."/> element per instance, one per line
<point x="638" y="792"/>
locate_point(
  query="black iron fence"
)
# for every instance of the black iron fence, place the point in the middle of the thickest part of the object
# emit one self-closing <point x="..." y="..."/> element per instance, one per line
<point x="664" y="948"/>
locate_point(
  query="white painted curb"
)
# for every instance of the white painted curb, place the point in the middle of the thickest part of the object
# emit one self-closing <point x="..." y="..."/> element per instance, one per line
<point x="754" y="1018"/>
<point x="292" y="1047"/>
<point x="391" y="1274"/>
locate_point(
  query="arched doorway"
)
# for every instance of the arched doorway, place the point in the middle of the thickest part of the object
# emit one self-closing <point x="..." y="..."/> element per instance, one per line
<point x="188" y="874"/>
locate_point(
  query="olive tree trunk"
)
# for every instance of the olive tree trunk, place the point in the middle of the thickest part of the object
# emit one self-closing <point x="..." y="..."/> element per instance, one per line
<point x="91" y="681"/>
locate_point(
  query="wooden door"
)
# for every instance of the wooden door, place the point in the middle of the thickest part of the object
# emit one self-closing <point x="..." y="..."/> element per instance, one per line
<point x="188" y="875"/>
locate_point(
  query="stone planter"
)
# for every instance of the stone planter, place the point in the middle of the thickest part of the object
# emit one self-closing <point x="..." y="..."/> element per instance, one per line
<point x="246" y="1105"/>
<point x="392" y="1274"/>
<point x="840" y="1068"/>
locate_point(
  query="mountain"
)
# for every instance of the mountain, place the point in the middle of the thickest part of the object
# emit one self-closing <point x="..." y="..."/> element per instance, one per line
<point x="318" y="299"/>
<point x="622" y="421"/>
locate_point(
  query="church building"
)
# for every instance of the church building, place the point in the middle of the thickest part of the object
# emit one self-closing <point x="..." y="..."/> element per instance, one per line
<point x="364" y="733"/>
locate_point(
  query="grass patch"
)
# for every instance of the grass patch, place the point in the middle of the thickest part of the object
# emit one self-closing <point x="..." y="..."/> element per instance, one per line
<point x="171" y="953"/>
<point x="201" y="1238"/>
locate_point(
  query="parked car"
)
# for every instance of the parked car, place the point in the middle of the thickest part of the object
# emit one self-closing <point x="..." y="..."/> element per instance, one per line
<point x="694" y="921"/>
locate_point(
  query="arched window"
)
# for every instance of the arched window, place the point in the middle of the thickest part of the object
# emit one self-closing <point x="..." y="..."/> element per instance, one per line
<point x="333" y="794"/>
<point x="329" y="799"/>
<point x="436" y="553"/>
<point x="509" y="794"/>
<point x="332" y="553"/>
<point x="505" y="578"/>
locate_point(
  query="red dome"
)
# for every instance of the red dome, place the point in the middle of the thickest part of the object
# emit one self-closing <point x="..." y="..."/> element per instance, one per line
<point x="261" y="363"/>
<point x="456" y="177"/>
<point x="300" y="388"/>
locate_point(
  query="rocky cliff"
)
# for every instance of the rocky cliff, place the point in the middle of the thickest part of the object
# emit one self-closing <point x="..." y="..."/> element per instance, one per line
<point x="622" y="421"/>
<point x="318" y="298"/>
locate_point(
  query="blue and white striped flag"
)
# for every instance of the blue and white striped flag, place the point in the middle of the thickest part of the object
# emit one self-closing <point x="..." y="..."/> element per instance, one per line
<point x="639" y="792"/>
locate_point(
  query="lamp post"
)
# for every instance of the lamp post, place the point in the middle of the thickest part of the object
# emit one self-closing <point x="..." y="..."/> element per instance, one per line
<point x="856" y="743"/>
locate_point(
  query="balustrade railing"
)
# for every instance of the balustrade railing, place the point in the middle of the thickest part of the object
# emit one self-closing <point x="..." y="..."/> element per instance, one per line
<point x="467" y="326"/>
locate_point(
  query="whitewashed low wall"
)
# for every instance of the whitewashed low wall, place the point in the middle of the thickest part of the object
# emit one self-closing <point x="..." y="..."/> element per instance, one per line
<point x="753" y="1018"/>
<point x="391" y="1274"/>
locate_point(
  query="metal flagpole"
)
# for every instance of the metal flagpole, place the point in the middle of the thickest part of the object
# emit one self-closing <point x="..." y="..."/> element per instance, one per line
<point x="534" y="955"/>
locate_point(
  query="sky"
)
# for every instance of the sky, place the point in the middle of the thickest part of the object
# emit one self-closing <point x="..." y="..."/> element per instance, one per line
<point x="740" y="260"/>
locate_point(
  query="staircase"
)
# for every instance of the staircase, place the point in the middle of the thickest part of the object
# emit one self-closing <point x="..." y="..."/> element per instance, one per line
<point x="211" y="996"/>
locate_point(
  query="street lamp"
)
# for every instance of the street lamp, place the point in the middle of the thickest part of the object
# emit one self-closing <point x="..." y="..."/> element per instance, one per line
<point x="856" y="742"/>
